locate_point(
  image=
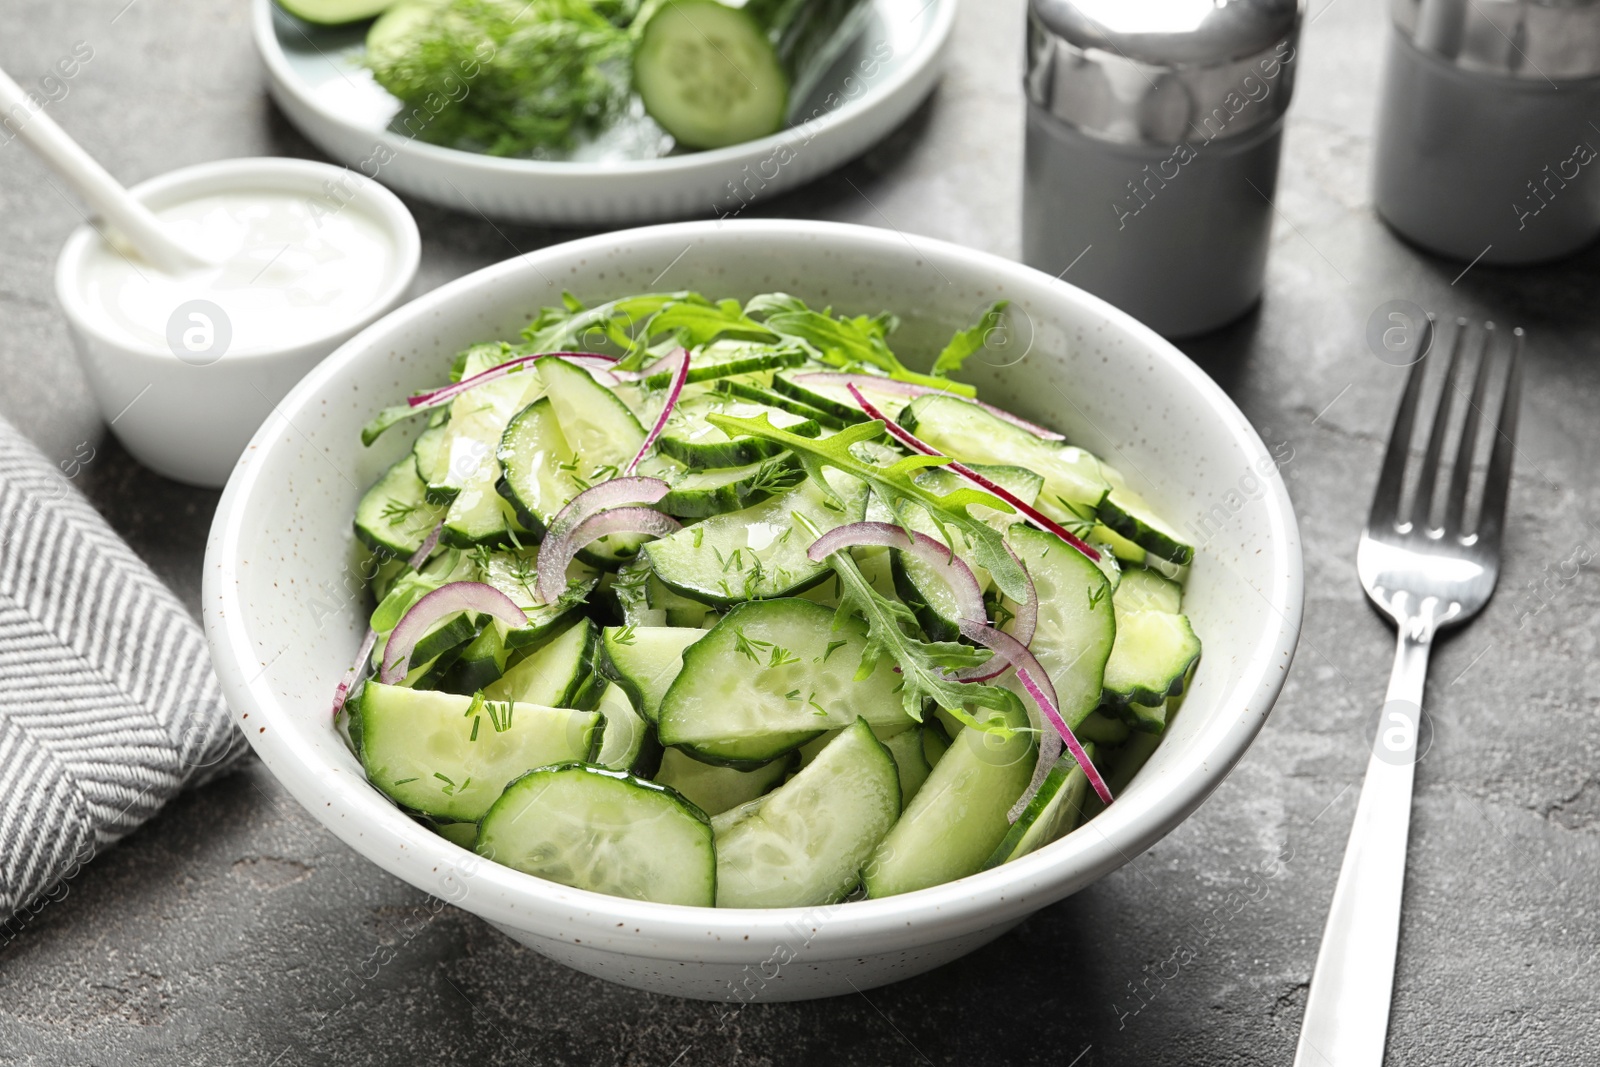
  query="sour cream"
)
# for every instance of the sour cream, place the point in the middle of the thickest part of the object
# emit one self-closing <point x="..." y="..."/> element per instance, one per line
<point x="292" y="268"/>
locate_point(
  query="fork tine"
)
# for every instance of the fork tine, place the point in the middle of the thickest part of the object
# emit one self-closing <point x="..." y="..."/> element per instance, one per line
<point x="1391" y="477"/>
<point x="1422" y="503"/>
<point x="1492" y="512"/>
<point x="1455" y="500"/>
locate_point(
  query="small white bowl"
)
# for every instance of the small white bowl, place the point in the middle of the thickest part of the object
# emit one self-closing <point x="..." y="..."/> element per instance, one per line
<point x="284" y="607"/>
<point x="191" y="422"/>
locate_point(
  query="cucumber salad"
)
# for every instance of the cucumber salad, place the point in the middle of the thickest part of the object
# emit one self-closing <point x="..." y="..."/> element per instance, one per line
<point x="718" y="603"/>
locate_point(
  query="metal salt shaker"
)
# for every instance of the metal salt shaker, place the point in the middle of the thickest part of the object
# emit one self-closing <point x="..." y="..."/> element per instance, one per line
<point x="1487" y="131"/>
<point x="1153" y="137"/>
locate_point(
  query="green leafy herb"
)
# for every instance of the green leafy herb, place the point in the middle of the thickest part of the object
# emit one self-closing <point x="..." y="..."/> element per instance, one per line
<point x="897" y="483"/>
<point x="968" y="341"/>
<point x="626" y="635"/>
<point x="397" y="512"/>
<point x="781" y="657"/>
<point x="748" y="647"/>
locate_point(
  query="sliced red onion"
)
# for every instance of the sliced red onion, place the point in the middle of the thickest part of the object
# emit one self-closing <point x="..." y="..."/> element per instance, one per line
<point x="1027" y="620"/>
<point x="556" y="553"/>
<point x="445" y="600"/>
<point x="680" y="377"/>
<point x="435" y="397"/>
<point x="617" y="492"/>
<point x="1028" y="511"/>
<point x="1037" y="682"/>
<point x="342" y="693"/>
<point x="895" y="387"/>
<point x="431" y="542"/>
<point x="957" y="575"/>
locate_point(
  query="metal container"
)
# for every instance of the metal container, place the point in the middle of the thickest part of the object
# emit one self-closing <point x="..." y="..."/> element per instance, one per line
<point x="1153" y="137"/>
<point x="1487" y="130"/>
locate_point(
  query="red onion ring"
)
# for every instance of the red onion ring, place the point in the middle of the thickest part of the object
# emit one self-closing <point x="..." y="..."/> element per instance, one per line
<point x="1027" y="510"/>
<point x="617" y="492"/>
<point x="895" y="387"/>
<point x="1037" y="682"/>
<point x="952" y="568"/>
<point x="445" y="600"/>
<point x="1027" y="622"/>
<point x="341" y="693"/>
<point x="680" y="376"/>
<point x="435" y="397"/>
<point x="556" y="553"/>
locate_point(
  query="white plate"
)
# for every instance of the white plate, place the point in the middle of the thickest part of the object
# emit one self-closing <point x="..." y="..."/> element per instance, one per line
<point x="315" y="77"/>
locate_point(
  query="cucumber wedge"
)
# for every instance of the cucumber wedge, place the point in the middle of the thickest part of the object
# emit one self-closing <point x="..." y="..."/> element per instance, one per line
<point x="757" y="553"/>
<point x="428" y="754"/>
<point x="769" y="677"/>
<point x="394" y="516"/>
<point x="958" y="818"/>
<point x="644" y="661"/>
<point x="1153" y="653"/>
<point x="553" y="674"/>
<point x="1130" y="515"/>
<point x="715" y="790"/>
<point x="804" y="843"/>
<point x="603" y="831"/>
<point x="624" y="732"/>
<point x="1054" y="811"/>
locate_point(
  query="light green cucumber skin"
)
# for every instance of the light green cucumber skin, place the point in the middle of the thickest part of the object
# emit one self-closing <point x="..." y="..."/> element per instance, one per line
<point x="1053" y="812"/>
<point x="658" y="827"/>
<point x="852" y="783"/>
<point x="958" y="818"/>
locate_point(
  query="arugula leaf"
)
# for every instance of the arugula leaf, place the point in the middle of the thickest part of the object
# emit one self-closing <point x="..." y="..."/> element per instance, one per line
<point x="897" y="483"/>
<point x="695" y="324"/>
<point x="924" y="665"/>
<point x="565" y="327"/>
<point x="966" y="342"/>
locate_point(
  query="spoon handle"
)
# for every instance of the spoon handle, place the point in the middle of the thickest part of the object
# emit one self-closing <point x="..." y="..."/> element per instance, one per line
<point x="103" y="193"/>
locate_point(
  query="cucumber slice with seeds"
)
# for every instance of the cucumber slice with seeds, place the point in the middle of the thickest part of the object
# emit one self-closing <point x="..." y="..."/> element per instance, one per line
<point x="644" y="661"/>
<point x="698" y="494"/>
<point x="804" y="843"/>
<point x="554" y="673"/>
<point x="394" y="516"/>
<point x="715" y="790"/>
<point x="604" y="831"/>
<point x="1153" y="653"/>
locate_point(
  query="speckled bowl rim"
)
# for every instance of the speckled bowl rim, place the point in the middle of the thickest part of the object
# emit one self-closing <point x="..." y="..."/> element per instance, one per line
<point x="990" y="900"/>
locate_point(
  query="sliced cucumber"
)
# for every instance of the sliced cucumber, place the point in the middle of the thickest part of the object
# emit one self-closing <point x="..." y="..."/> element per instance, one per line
<point x="426" y="752"/>
<point x="804" y="843"/>
<point x="644" y="660"/>
<point x="481" y="662"/>
<point x="457" y="833"/>
<point x="625" y="732"/>
<point x="958" y="818"/>
<point x="1052" y="813"/>
<point x="334" y="12"/>
<point x="769" y="677"/>
<point x="538" y="466"/>
<point x="935" y="743"/>
<point x="679" y="610"/>
<point x="598" y="427"/>
<point x="1072" y="477"/>
<point x="708" y="74"/>
<point x="834" y="400"/>
<point x="768" y="398"/>
<point x="728" y="359"/>
<point x="697" y="494"/>
<point x="1153" y="653"/>
<point x="694" y="442"/>
<point x="1148" y="718"/>
<point x="1129" y="514"/>
<point x="394" y="516"/>
<point x="478" y="419"/>
<point x="431" y="454"/>
<point x="1124" y="763"/>
<point x="554" y="673"/>
<point x="757" y="553"/>
<point x="1076" y="622"/>
<point x="603" y="831"/>
<point x="715" y="790"/>
<point x="480" y="516"/>
<point x="1145" y="590"/>
<point x="910" y="759"/>
<point x="1102" y="728"/>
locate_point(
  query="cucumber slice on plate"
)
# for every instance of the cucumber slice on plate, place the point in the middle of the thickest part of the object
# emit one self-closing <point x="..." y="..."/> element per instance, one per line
<point x="427" y="753"/>
<point x="603" y="831"/>
<point x="1054" y="811"/>
<point x="552" y="674"/>
<point x="644" y="660"/>
<point x="394" y="516"/>
<point x="958" y="818"/>
<point x="769" y="677"/>
<point x="758" y="553"/>
<point x="804" y="843"/>
<point x="715" y="790"/>
<point x="334" y="12"/>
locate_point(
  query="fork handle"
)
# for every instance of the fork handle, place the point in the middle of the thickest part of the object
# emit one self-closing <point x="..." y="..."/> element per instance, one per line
<point x="1347" y="1008"/>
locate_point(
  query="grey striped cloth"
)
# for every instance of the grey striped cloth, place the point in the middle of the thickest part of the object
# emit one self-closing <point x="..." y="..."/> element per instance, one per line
<point x="108" y="705"/>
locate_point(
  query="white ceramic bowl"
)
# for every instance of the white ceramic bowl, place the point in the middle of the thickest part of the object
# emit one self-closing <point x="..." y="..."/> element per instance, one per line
<point x="283" y="608"/>
<point x="191" y="422"/>
<point x="316" y="77"/>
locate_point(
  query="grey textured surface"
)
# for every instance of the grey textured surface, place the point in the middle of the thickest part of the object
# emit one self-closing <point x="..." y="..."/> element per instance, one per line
<point x="232" y="929"/>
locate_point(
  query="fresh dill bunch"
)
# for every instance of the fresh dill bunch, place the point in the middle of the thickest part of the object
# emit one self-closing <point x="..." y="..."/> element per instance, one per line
<point x="505" y="77"/>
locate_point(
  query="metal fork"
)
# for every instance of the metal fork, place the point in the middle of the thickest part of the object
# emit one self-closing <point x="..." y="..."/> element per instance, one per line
<point x="1425" y="575"/>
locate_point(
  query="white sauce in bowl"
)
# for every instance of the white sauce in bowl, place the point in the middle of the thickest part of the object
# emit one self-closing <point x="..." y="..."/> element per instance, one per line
<point x="292" y="267"/>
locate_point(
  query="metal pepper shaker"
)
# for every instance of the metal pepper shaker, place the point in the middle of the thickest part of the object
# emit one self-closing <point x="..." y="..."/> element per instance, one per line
<point x="1153" y="137"/>
<point x="1487" y="131"/>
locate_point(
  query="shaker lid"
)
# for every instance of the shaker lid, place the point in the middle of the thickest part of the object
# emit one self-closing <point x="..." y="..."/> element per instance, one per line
<point x="1157" y="72"/>
<point x="1547" y="40"/>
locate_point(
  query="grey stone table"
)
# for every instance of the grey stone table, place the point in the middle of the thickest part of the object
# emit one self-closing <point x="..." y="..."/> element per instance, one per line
<point x="234" y="930"/>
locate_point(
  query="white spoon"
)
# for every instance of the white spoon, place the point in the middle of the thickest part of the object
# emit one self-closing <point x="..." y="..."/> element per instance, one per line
<point x="104" y="194"/>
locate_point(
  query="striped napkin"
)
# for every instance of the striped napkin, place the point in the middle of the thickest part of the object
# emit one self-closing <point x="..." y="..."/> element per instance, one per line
<point x="108" y="705"/>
